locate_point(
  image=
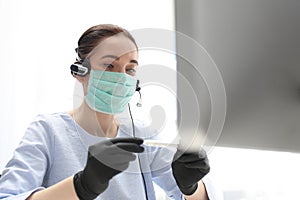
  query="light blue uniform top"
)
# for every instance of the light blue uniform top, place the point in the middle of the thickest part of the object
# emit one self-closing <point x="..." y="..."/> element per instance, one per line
<point x="54" y="147"/>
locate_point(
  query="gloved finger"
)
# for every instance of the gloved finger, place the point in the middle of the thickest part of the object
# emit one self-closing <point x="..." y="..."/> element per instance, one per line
<point x="203" y="164"/>
<point x="118" y="166"/>
<point x="131" y="147"/>
<point x="113" y="155"/>
<point x="134" y="140"/>
<point x="122" y="158"/>
<point x="190" y="157"/>
<point x="202" y="153"/>
<point x="122" y="167"/>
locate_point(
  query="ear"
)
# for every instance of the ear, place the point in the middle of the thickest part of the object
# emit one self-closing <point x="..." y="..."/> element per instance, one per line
<point x="84" y="80"/>
<point x="81" y="79"/>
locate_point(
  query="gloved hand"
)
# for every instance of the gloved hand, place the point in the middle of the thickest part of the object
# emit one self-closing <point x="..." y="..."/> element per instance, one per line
<point x="105" y="160"/>
<point x="188" y="169"/>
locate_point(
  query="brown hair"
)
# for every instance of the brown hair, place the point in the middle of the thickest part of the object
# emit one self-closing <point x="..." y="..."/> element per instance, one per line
<point x="94" y="35"/>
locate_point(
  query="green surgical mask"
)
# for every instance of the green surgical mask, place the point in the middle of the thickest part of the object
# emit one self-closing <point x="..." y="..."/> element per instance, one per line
<point x="109" y="92"/>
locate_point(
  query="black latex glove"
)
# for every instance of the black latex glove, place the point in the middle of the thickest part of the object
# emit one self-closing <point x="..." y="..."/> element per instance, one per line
<point x="188" y="169"/>
<point x="105" y="160"/>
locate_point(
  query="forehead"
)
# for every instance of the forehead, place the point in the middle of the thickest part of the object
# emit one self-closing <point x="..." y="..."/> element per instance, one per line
<point x="116" y="45"/>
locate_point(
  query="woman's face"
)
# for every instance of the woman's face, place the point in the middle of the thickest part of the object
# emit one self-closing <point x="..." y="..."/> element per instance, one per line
<point x="115" y="54"/>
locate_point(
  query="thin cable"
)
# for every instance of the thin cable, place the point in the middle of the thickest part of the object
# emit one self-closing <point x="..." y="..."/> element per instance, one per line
<point x="132" y="123"/>
<point x="133" y="132"/>
<point x="139" y="103"/>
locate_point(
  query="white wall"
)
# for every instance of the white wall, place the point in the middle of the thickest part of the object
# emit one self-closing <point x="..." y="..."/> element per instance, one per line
<point x="250" y="174"/>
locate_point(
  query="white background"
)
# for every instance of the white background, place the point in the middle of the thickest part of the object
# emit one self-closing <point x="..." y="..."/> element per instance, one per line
<point x="38" y="39"/>
<point x="37" y="42"/>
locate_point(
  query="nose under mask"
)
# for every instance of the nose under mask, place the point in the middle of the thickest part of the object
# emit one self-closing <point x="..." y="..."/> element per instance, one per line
<point x="109" y="92"/>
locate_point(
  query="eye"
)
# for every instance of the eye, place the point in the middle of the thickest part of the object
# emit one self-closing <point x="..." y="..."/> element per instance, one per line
<point x="108" y="66"/>
<point x="131" y="71"/>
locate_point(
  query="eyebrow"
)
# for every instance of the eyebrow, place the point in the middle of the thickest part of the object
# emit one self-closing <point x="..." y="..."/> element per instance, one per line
<point x="117" y="58"/>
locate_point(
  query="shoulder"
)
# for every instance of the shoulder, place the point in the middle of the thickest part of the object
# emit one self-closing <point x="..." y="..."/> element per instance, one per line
<point x="44" y="126"/>
<point x="48" y="117"/>
<point x="50" y="120"/>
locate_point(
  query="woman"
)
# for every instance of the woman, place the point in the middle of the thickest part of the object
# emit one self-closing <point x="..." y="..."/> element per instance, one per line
<point x="87" y="153"/>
